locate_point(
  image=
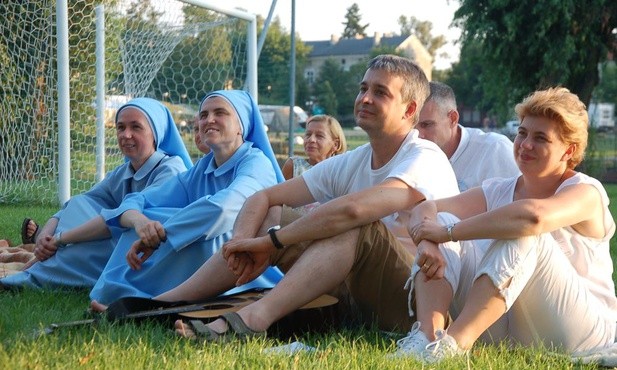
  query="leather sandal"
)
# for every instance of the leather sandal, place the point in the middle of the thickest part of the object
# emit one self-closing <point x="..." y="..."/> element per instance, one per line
<point x="236" y="329"/>
<point x="25" y="239"/>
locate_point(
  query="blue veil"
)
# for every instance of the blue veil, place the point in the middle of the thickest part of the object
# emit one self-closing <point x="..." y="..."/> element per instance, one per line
<point x="166" y="136"/>
<point x="252" y="123"/>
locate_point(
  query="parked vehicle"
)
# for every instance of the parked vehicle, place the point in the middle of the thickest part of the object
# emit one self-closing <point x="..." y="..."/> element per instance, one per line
<point x="602" y="116"/>
<point x="276" y="117"/>
<point x="511" y="128"/>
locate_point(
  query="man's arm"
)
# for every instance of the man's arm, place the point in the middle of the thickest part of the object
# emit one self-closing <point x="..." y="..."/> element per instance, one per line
<point x="293" y="193"/>
<point x="351" y="211"/>
<point x="329" y="219"/>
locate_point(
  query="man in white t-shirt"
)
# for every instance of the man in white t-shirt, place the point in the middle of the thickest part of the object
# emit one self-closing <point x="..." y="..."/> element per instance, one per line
<point x="357" y="237"/>
<point x="475" y="155"/>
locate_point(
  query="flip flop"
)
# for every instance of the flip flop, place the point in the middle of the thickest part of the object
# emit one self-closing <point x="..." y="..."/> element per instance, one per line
<point x="25" y="239"/>
<point x="236" y="329"/>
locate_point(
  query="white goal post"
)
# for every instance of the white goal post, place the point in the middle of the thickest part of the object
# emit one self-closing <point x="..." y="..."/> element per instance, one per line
<point x="68" y="65"/>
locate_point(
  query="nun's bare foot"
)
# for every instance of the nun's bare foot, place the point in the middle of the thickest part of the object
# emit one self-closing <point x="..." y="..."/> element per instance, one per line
<point x="97" y="307"/>
<point x="184" y="330"/>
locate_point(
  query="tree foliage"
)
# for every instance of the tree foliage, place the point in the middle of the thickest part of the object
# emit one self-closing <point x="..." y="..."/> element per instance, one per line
<point x="528" y="44"/>
<point x="606" y="91"/>
<point x="423" y="31"/>
<point x="274" y="66"/>
<point x="353" y="24"/>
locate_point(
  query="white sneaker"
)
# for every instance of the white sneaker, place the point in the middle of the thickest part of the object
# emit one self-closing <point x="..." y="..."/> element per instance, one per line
<point x="443" y="348"/>
<point x="413" y="344"/>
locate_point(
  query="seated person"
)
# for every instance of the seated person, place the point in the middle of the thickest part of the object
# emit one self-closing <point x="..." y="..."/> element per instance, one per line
<point x="356" y="237"/>
<point x="475" y="155"/>
<point x="154" y="152"/>
<point x="323" y="138"/>
<point x="200" y="144"/>
<point x="171" y="230"/>
<point x="546" y="279"/>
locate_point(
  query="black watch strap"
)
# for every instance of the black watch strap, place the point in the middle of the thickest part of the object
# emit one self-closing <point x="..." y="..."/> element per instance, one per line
<point x="272" y="231"/>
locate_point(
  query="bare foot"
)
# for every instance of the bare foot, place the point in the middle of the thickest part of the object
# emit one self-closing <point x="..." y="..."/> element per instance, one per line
<point x="97" y="307"/>
<point x="31" y="229"/>
<point x="185" y="330"/>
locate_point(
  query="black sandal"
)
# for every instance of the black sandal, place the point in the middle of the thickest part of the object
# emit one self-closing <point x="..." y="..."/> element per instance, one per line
<point x="25" y="239"/>
<point x="236" y="329"/>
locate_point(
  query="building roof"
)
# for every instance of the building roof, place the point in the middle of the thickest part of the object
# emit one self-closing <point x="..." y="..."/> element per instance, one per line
<point x="355" y="46"/>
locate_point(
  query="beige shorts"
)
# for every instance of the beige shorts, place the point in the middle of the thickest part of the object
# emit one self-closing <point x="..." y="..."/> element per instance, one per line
<point x="376" y="281"/>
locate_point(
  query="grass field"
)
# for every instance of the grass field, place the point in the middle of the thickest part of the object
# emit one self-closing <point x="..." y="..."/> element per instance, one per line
<point x="150" y="345"/>
<point x="153" y="345"/>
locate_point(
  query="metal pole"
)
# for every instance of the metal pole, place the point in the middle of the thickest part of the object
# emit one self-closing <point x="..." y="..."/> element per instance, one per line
<point x="64" y="136"/>
<point x="100" y="92"/>
<point x="251" y="68"/>
<point x="292" y="78"/>
<point x="264" y="32"/>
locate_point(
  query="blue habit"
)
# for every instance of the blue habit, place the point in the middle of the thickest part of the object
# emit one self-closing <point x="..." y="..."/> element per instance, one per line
<point x="197" y="209"/>
<point x="80" y="264"/>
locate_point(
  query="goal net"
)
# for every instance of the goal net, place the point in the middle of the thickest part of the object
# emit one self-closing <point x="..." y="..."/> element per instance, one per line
<point x="165" y="49"/>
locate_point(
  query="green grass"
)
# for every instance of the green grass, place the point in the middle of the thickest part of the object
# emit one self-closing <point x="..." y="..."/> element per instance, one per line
<point x="153" y="345"/>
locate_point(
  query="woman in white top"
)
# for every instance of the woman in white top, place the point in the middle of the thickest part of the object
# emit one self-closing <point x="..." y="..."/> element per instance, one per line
<point x="546" y="279"/>
<point x="323" y="138"/>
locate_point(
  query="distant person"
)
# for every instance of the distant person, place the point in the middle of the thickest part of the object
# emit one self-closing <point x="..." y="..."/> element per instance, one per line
<point x="171" y="230"/>
<point x="153" y="152"/>
<point x="199" y="143"/>
<point x="323" y="138"/>
<point x="474" y="154"/>
<point x="546" y="280"/>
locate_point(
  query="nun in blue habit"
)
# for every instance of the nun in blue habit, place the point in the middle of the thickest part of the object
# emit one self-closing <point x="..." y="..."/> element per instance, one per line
<point x="176" y="227"/>
<point x="154" y="152"/>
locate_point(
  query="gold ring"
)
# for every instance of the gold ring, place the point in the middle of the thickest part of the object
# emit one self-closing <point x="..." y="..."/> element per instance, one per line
<point x="425" y="266"/>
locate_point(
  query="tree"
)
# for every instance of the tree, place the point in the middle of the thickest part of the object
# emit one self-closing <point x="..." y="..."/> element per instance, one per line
<point x="606" y="91"/>
<point x="526" y="45"/>
<point x="273" y="65"/>
<point x="423" y="31"/>
<point x="352" y="23"/>
<point x="335" y="88"/>
<point x="464" y="77"/>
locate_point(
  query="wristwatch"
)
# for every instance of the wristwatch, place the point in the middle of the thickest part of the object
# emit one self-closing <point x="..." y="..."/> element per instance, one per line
<point x="272" y="231"/>
<point x="58" y="238"/>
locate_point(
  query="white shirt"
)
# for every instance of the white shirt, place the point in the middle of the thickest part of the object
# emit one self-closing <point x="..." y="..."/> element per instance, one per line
<point x="419" y="163"/>
<point x="480" y="156"/>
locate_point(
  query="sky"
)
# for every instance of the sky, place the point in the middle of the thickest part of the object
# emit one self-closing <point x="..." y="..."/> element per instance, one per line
<point x="319" y="19"/>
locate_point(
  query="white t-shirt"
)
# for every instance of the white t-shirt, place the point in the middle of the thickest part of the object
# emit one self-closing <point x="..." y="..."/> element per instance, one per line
<point x="590" y="257"/>
<point x="480" y="156"/>
<point x="419" y="163"/>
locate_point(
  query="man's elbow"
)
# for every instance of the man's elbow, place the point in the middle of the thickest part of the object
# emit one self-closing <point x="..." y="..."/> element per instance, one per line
<point x="354" y="212"/>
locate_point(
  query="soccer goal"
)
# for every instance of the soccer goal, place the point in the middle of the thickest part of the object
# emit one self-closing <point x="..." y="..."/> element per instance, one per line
<point x="65" y="67"/>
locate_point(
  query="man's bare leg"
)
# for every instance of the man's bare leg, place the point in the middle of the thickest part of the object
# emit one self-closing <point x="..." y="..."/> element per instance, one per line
<point x="321" y="268"/>
<point x="210" y="280"/>
<point x="214" y="276"/>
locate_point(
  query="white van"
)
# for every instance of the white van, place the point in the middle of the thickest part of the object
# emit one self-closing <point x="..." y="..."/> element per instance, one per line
<point x="276" y="117"/>
<point x="511" y="128"/>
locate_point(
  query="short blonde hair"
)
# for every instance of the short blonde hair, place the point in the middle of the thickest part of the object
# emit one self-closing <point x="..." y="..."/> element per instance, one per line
<point x="336" y="131"/>
<point x="560" y="105"/>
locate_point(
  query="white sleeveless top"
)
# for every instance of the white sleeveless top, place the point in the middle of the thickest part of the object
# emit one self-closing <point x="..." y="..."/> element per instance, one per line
<point x="590" y="257"/>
